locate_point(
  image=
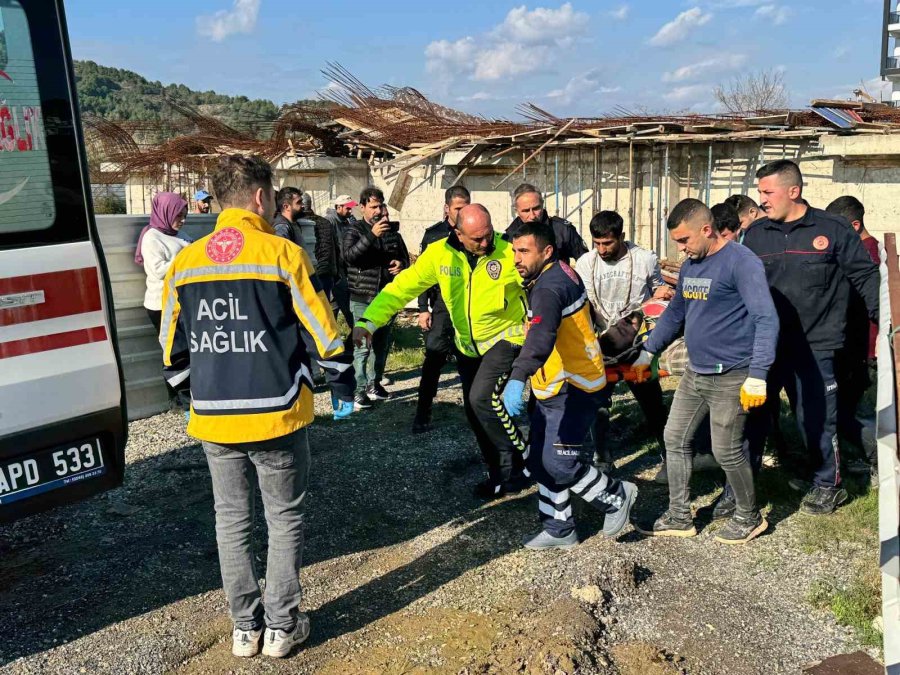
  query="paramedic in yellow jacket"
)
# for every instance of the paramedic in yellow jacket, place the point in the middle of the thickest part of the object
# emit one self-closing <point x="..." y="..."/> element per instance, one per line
<point x="236" y="305"/>
<point x="562" y="357"/>
<point x="476" y="275"/>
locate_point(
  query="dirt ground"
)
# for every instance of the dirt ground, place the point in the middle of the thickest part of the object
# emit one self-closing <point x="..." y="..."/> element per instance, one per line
<point x="406" y="572"/>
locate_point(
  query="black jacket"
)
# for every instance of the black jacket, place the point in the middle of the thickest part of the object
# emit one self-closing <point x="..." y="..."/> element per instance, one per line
<point x="569" y="244"/>
<point x="287" y="229"/>
<point x="340" y="225"/>
<point x="431" y="300"/>
<point x="367" y="258"/>
<point x="327" y="246"/>
<point x="810" y="266"/>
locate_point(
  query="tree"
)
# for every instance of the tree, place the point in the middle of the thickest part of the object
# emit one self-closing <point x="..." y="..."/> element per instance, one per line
<point x="754" y="92"/>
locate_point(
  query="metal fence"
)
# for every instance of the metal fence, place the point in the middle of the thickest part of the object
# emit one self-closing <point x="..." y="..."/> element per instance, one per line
<point x="145" y="390"/>
<point x="888" y="458"/>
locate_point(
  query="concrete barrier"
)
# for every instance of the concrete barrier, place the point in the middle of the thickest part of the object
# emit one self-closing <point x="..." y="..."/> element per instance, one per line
<point x="145" y="389"/>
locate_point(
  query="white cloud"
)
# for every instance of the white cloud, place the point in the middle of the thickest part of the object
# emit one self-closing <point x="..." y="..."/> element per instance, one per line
<point x="689" y="93"/>
<point x="774" y="13"/>
<point x="581" y="86"/>
<point x="718" y="65"/>
<point x="680" y="27"/>
<point x="240" y="19"/>
<point x="621" y="13"/>
<point x="524" y="42"/>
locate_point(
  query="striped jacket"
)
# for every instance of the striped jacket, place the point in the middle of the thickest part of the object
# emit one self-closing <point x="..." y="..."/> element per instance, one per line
<point x="560" y="345"/>
<point x="235" y="304"/>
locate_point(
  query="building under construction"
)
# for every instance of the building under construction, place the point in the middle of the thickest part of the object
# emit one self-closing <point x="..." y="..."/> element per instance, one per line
<point x="638" y="165"/>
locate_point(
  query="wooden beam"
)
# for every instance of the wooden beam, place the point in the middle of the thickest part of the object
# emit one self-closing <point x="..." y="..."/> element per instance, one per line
<point x="535" y="153"/>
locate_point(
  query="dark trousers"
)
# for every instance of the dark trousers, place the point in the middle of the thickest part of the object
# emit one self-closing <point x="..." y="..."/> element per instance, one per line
<point x="338" y="293"/>
<point x="438" y="347"/>
<point x="854" y="376"/>
<point x="648" y="396"/>
<point x="718" y="399"/>
<point x="559" y="425"/>
<point x="483" y="379"/>
<point x="181" y="393"/>
<point x="809" y="379"/>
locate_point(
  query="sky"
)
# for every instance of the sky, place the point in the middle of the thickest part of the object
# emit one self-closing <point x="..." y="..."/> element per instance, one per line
<point x="583" y="57"/>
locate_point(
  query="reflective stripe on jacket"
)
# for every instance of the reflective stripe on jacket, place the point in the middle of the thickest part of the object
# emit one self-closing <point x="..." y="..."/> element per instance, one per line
<point x="234" y="305"/>
<point x="560" y="345"/>
<point x="486" y="303"/>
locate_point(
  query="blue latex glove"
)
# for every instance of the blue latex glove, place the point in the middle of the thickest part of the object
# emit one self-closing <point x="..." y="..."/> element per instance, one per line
<point x="512" y="397"/>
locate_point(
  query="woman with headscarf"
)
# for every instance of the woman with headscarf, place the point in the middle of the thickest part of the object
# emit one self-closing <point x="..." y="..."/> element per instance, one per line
<point x="156" y="249"/>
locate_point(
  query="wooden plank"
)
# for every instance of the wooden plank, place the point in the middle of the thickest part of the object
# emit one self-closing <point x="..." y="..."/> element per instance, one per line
<point x="424" y="158"/>
<point x="893" y="268"/>
<point x="835" y="103"/>
<point x="535" y="153"/>
<point x="400" y="190"/>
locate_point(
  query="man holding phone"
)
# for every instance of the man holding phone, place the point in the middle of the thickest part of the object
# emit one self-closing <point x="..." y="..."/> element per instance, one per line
<point x="374" y="253"/>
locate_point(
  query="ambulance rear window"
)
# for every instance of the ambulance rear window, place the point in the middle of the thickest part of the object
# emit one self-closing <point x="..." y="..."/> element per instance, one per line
<point x="26" y="184"/>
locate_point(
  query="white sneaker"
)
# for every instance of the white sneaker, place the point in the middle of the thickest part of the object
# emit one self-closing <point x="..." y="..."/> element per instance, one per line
<point x="245" y="643"/>
<point x="279" y="644"/>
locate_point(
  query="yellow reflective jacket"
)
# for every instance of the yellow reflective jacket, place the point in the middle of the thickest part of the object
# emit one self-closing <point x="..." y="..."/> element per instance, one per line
<point x="234" y="303"/>
<point x="486" y="302"/>
<point x="560" y="345"/>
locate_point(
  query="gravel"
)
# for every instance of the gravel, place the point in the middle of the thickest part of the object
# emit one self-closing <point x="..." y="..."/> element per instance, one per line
<point x="404" y="570"/>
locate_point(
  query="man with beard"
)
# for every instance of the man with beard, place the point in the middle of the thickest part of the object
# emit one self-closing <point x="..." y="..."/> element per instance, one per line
<point x="529" y="205"/>
<point x="562" y="357"/>
<point x="619" y="277"/>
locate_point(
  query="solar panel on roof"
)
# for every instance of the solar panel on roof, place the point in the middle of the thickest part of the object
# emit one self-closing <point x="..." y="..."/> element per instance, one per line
<point x="836" y="117"/>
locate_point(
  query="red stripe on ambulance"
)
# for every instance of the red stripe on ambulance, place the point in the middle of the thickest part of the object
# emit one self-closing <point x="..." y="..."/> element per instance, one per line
<point x="66" y="293"/>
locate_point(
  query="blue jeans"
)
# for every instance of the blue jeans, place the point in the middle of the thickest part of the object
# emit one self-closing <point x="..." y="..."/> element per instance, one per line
<point x="716" y="398"/>
<point x="282" y="473"/>
<point x="369" y="361"/>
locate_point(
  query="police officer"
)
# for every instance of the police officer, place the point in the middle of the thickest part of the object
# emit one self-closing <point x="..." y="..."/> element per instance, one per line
<point x="562" y="357"/>
<point x="477" y="278"/>
<point x="434" y="320"/>
<point x="812" y="258"/>
<point x="529" y="205"/>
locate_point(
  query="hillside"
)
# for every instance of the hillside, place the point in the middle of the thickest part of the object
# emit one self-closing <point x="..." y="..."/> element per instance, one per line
<point x="122" y="95"/>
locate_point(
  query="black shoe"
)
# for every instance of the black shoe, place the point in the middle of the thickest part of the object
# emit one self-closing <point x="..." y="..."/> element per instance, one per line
<point x="668" y="525"/>
<point x="741" y="530"/>
<point x="488" y="489"/>
<point x="379" y="393"/>
<point x="421" y="423"/>
<point x="724" y="506"/>
<point x="820" y="501"/>
<point x="362" y="402"/>
<point x="516" y="484"/>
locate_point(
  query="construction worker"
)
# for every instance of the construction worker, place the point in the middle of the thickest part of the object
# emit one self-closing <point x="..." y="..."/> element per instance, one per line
<point x="234" y="305"/>
<point x="434" y="319"/>
<point x="812" y="259"/>
<point x="529" y="205"/>
<point x="477" y="278"/>
<point x="562" y="357"/>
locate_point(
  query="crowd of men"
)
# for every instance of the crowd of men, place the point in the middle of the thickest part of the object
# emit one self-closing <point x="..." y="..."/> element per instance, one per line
<point x="771" y="297"/>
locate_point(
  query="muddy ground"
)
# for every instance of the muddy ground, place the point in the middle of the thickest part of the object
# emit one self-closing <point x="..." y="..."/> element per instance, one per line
<point x="406" y="572"/>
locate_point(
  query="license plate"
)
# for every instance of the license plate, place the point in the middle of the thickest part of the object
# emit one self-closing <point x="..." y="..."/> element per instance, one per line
<point x="50" y="469"/>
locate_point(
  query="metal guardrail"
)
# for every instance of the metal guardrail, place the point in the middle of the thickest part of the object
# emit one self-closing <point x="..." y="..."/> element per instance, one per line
<point x="893" y="18"/>
<point x="891" y="63"/>
<point x="145" y="390"/>
<point x="887" y="424"/>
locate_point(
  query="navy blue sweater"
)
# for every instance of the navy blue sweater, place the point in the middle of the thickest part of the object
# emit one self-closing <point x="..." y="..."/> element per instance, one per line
<point x="724" y="306"/>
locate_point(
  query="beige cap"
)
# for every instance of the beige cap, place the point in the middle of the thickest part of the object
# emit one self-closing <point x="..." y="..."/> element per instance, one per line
<point x="345" y="200"/>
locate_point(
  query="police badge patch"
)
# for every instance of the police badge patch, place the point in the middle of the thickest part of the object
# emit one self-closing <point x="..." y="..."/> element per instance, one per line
<point x="493" y="269"/>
